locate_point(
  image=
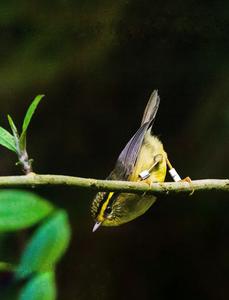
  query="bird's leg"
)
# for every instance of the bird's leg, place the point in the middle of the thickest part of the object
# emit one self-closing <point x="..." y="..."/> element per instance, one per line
<point x="175" y="176"/>
<point x="145" y="174"/>
<point x="157" y="159"/>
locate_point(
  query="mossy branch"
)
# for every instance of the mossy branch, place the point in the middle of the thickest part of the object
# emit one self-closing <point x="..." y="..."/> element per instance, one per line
<point x="33" y="180"/>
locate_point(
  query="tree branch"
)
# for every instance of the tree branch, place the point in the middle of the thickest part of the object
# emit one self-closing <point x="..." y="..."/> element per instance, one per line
<point x="32" y="180"/>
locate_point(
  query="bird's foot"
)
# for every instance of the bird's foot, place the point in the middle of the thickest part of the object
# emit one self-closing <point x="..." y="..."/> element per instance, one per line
<point x="189" y="180"/>
<point x="186" y="179"/>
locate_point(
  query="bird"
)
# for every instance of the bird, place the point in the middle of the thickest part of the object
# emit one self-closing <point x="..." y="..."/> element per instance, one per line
<point x="142" y="159"/>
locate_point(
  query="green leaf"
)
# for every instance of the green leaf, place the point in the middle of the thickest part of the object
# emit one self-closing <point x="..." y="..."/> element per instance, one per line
<point x="40" y="287"/>
<point x="27" y="119"/>
<point x="21" y="209"/>
<point x="7" y="140"/>
<point x="13" y="127"/>
<point x="30" y="112"/>
<point x="46" y="247"/>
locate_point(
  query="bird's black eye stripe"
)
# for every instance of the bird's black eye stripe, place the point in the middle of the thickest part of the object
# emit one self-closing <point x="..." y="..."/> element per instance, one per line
<point x="108" y="209"/>
<point x="102" y="197"/>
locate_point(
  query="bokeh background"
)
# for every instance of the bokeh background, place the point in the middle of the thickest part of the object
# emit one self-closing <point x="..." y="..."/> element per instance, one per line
<point x="97" y="63"/>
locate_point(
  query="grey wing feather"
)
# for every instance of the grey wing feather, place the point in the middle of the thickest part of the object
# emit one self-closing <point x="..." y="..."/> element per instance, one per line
<point x="128" y="157"/>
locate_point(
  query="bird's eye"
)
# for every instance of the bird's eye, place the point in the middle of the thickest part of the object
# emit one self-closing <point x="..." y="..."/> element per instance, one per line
<point x="108" y="210"/>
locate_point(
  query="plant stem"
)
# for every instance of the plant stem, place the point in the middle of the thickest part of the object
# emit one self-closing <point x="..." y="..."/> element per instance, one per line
<point x="32" y="180"/>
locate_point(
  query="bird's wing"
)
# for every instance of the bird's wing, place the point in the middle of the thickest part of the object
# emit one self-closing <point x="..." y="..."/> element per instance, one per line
<point x="128" y="157"/>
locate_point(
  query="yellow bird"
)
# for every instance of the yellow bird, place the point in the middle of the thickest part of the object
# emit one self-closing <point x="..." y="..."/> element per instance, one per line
<point x="142" y="159"/>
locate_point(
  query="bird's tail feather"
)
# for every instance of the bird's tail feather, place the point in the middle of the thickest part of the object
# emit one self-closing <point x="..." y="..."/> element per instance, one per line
<point x="151" y="108"/>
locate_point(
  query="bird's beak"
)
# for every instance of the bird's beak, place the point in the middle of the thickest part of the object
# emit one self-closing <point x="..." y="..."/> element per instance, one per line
<point x="96" y="226"/>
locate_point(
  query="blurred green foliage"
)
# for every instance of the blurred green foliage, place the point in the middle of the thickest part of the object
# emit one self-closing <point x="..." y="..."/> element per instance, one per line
<point x="46" y="247"/>
<point x="22" y="209"/>
<point x="41" y="287"/>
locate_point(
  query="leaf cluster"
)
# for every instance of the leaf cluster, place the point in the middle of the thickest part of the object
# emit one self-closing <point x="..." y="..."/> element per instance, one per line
<point x="16" y="141"/>
<point x="20" y="210"/>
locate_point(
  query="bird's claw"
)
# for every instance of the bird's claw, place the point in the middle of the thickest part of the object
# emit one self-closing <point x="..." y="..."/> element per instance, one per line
<point x="186" y="179"/>
<point x="189" y="180"/>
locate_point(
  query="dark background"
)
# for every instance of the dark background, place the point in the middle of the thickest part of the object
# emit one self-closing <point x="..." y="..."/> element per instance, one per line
<point x="97" y="63"/>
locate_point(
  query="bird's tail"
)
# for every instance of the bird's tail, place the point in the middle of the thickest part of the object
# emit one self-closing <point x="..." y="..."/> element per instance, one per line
<point x="151" y="108"/>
